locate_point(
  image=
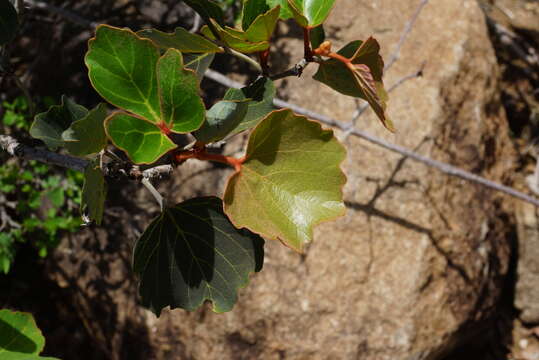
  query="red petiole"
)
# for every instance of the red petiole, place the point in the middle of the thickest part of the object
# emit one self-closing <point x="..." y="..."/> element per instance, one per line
<point x="200" y="153"/>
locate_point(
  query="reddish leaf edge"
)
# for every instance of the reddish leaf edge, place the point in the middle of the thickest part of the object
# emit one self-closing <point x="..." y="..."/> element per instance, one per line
<point x="299" y="249"/>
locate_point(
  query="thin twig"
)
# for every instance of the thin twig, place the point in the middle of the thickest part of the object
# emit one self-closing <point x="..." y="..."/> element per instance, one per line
<point x="441" y="166"/>
<point x="243" y="57"/>
<point x="295" y="70"/>
<point x="158" y="197"/>
<point x="407" y="29"/>
<point x="14" y="148"/>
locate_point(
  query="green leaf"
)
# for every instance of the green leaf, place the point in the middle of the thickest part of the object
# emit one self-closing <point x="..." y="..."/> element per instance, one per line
<point x="290" y="181"/>
<point x="285" y="12"/>
<point x="199" y="63"/>
<point x="122" y="70"/>
<point x="261" y="94"/>
<point x="251" y="10"/>
<point x="207" y="10"/>
<point x="142" y="141"/>
<point x="181" y="40"/>
<point x="363" y="80"/>
<point x="263" y="26"/>
<point x="318" y="36"/>
<point x="94" y="193"/>
<point x="182" y="108"/>
<point x="20" y="338"/>
<point x="9" y="22"/>
<point x="50" y="125"/>
<point x="87" y="135"/>
<point x="237" y="39"/>
<point x="311" y="13"/>
<point x="192" y="253"/>
<point x="221" y="119"/>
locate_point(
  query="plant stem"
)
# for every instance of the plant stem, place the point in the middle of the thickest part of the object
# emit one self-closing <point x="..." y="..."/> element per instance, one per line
<point x="203" y="155"/>
<point x="308" y="54"/>
<point x="243" y="57"/>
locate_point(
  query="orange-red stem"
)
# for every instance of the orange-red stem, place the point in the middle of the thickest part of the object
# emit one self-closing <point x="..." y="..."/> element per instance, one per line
<point x="203" y="155"/>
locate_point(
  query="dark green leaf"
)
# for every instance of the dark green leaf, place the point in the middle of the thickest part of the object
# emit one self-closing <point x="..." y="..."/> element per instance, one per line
<point x="207" y="10"/>
<point x="251" y="10"/>
<point x="142" y="141"/>
<point x="199" y="63"/>
<point x="182" y="108"/>
<point x="9" y="22"/>
<point x="122" y="70"/>
<point x="363" y="79"/>
<point x="50" y="125"/>
<point x="20" y="338"/>
<point x="192" y="253"/>
<point x="94" y="193"/>
<point x="318" y="36"/>
<point x="87" y="135"/>
<point x="221" y="119"/>
<point x="261" y="94"/>
<point x="181" y="40"/>
<point x="290" y="181"/>
<point x="311" y="13"/>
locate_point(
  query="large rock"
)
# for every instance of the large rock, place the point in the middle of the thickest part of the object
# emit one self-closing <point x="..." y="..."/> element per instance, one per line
<point x="415" y="265"/>
<point x="419" y="259"/>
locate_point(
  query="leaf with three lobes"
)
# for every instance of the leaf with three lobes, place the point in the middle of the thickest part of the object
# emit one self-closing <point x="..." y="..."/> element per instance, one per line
<point x="50" y="125"/>
<point x="94" y="193"/>
<point x="261" y="94"/>
<point x="142" y="141"/>
<point x="251" y="10"/>
<point x="310" y="13"/>
<point x="199" y="63"/>
<point x="87" y="135"/>
<point x="363" y="81"/>
<point x="221" y="119"/>
<point x="128" y="72"/>
<point x="20" y="338"/>
<point x="290" y="182"/>
<point x="9" y="22"/>
<point x="192" y="253"/>
<point x="207" y="9"/>
<point x="181" y="40"/>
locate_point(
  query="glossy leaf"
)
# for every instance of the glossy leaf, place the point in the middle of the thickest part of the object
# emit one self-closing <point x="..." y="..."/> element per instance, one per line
<point x="9" y="22"/>
<point x="181" y="40"/>
<point x="50" y="125"/>
<point x="87" y="135"/>
<point x="261" y="94"/>
<point x="20" y="338"/>
<point x="182" y="108"/>
<point x="364" y="80"/>
<point x="199" y="63"/>
<point x="192" y="253"/>
<point x="251" y="10"/>
<point x="207" y="9"/>
<point x="142" y="141"/>
<point x="122" y="70"/>
<point x="221" y="119"/>
<point x="291" y="180"/>
<point x="94" y="193"/>
<point x="310" y="13"/>
<point x="285" y="12"/>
